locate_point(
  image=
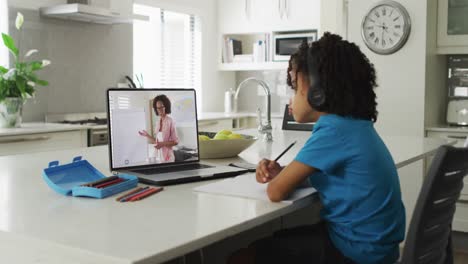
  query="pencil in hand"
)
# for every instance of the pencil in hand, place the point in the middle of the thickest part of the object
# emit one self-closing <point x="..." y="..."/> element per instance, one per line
<point x="286" y="150"/>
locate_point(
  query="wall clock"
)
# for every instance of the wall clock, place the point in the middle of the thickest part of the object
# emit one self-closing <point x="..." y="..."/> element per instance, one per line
<point x="386" y="27"/>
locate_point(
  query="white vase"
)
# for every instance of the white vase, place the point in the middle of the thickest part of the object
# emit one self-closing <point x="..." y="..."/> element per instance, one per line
<point x="11" y="110"/>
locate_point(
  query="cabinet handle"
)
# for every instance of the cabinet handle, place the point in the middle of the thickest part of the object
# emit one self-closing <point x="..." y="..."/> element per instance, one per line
<point x="247" y="9"/>
<point x="457" y="137"/>
<point x="286" y="8"/>
<point x="16" y="140"/>
<point x="462" y="201"/>
<point x="279" y="9"/>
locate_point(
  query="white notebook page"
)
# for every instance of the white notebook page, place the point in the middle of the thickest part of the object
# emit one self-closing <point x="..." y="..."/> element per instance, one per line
<point x="247" y="186"/>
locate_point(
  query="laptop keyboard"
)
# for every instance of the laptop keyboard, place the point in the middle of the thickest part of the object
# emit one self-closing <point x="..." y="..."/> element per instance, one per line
<point x="173" y="169"/>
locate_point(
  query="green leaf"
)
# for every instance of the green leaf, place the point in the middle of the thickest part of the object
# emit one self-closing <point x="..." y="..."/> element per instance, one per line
<point x="31" y="77"/>
<point x="42" y="82"/>
<point x="21" y="84"/>
<point x="35" y="65"/>
<point x="3" y="70"/>
<point x="10" y="44"/>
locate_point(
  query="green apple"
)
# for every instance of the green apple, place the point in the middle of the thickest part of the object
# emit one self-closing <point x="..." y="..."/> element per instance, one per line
<point x="225" y="132"/>
<point x="221" y="137"/>
<point x="235" y="136"/>
<point x="203" y="138"/>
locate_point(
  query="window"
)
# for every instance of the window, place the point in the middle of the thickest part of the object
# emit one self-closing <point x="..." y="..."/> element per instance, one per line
<point x="119" y="102"/>
<point x="167" y="49"/>
<point x="4" y="29"/>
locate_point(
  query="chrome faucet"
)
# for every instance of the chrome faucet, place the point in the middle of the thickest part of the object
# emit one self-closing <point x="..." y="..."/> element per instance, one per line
<point x="262" y="129"/>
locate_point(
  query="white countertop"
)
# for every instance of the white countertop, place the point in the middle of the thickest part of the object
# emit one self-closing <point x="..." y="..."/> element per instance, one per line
<point x="169" y="224"/>
<point x="460" y="129"/>
<point x="39" y="127"/>
<point x="206" y="116"/>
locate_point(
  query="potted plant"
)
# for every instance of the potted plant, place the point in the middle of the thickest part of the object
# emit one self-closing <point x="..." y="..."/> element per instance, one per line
<point x="19" y="82"/>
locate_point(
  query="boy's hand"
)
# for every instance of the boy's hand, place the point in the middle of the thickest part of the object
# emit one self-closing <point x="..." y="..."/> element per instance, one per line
<point x="267" y="170"/>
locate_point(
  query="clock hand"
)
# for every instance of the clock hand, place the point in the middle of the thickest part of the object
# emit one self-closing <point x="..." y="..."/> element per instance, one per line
<point x="382" y="35"/>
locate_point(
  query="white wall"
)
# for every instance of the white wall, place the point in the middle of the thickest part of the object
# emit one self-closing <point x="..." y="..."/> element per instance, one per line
<point x="84" y="62"/>
<point x="214" y="82"/>
<point x="401" y="76"/>
<point x="3" y="29"/>
<point x="34" y="4"/>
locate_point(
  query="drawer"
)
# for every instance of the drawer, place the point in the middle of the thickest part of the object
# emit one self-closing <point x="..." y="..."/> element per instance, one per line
<point x="460" y="220"/>
<point x="11" y="145"/>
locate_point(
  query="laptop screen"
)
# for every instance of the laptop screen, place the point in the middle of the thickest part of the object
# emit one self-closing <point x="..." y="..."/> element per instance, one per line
<point x="152" y="127"/>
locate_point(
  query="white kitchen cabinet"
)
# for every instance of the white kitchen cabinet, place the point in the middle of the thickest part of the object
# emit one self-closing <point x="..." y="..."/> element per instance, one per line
<point x="233" y="16"/>
<point x="460" y="221"/>
<point x="254" y="16"/>
<point x="29" y="143"/>
<point x="452" y="28"/>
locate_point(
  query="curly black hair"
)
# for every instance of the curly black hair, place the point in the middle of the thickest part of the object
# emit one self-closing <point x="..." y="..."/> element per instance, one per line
<point x="346" y="75"/>
<point x="165" y="101"/>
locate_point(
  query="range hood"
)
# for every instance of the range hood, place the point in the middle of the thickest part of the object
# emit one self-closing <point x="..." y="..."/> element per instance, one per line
<point x="88" y="13"/>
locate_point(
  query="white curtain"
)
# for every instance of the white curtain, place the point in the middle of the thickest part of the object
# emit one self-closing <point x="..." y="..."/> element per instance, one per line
<point x="167" y="49"/>
<point x="4" y="29"/>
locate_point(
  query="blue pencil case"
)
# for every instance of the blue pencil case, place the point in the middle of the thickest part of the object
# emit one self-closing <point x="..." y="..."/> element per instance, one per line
<point x="67" y="179"/>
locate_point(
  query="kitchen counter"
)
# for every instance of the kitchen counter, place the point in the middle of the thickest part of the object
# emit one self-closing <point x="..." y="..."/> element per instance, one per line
<point x="208" y="116"/>
<point x="29" y="128"/>
<point x="39" y="127"/>
<point x="446" y="128"/>
<point x="169" y="224"/>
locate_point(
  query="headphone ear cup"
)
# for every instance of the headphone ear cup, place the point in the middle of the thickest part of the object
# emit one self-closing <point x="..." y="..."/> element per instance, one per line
<point x="315" y="94"/>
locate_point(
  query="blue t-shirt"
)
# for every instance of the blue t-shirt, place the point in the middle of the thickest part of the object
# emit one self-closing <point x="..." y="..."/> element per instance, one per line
<point x="358" y="186"/>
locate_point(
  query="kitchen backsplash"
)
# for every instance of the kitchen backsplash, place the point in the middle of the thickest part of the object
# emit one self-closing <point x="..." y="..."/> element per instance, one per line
<point x="86" y="60"/>
<point x="252" y="97"/>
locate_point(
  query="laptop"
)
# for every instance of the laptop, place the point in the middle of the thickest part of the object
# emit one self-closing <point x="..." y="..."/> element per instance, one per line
<point x="153" y="134"/>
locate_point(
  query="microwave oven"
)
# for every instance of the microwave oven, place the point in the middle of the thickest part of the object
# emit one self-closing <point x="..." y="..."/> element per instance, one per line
<point x="286" y="43"/>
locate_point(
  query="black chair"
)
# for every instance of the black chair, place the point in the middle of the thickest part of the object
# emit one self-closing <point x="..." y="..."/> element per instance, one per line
<point x="429" y="238"/>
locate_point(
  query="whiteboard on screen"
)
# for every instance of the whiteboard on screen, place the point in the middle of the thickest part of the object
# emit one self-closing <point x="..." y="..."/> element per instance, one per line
<point x="128" y="147"/>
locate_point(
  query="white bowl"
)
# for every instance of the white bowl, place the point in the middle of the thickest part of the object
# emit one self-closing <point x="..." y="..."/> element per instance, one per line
<point x="217" y="149"/>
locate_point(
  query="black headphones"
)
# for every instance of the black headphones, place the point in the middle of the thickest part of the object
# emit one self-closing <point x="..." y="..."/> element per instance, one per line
<point x="316" y="94"/>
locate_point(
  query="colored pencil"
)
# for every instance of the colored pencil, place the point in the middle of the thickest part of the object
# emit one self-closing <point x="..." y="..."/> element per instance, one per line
<point x="125" y="199"/>
<point x="146" y="194"/>
<point x="129" y="193"/>
<point x="93" y="183"/>
<point x="109" y="183"/>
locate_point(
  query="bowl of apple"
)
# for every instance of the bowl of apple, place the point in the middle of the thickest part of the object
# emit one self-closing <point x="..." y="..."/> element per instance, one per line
<point x="224" y="144"/>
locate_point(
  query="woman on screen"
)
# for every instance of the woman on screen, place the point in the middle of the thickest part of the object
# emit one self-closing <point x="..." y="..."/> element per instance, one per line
<point x="165" y="131"/>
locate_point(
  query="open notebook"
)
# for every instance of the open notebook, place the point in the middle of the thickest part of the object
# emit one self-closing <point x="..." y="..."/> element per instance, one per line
<point x="247" y="186"/>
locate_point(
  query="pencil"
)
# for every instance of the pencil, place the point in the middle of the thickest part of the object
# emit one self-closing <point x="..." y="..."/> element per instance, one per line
<point x="129" y="193"/>
<point x="128" y="197"/>
<point x="286" y="150"/>
<point x="93" y="183"/>
<point x="109" y="183"/>
<point x="146" y="194"/>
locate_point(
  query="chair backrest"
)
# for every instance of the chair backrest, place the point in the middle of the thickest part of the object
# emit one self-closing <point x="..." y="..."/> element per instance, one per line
<point x="429" y="237"/>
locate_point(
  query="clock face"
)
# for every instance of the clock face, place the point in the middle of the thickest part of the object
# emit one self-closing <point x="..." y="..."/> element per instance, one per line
<point x="386" y="27"/>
